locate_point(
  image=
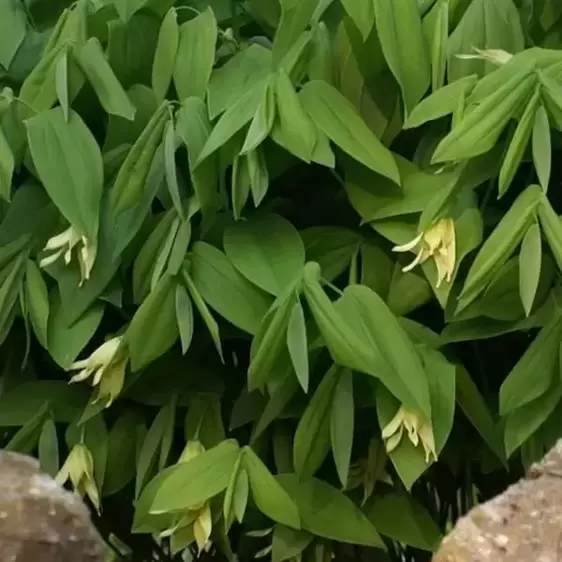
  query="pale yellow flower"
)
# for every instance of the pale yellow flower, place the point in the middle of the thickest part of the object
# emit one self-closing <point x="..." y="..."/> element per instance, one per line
<point x="495" y="56"/>
<point x="63" y="244"/>
<point x="438" y="242"/>
<point x="417" y="430"/>
<point x="79" y="469"/>
<point x="107" y="364"/>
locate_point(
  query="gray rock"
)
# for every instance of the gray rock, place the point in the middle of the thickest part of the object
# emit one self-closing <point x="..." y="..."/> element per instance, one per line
<point x="39" y="520"/>
<point x="523" y="524"/>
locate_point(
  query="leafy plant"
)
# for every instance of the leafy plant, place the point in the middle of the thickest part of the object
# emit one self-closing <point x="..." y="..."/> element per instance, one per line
<point x="300" y="262"/>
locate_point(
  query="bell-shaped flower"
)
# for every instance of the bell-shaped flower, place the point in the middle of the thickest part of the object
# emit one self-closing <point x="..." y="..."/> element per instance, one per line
<point x="495" y="56"/>
<point x="438" y="242"/>
<point x="63" y="244"/>
<point x="106" y="366"/>
<point x="79" y="469"/>
<point x="417" y="430"/>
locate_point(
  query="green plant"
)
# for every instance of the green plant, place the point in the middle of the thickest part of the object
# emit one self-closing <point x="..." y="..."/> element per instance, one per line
<point x="209" y="212"/>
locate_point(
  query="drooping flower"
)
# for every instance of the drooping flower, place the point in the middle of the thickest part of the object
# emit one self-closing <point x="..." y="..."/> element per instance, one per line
<point x="417" y="429"/>
<point x="63" y="244"/>
<point x="438" y="242"/>
<point x="495" y="56"/>
<point x="79" y="469"/>
<point x="107" y="364"/>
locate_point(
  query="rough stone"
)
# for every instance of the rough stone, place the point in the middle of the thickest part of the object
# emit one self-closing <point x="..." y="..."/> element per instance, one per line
<point x="521" y="525"/>
<point x="41" y="521"/>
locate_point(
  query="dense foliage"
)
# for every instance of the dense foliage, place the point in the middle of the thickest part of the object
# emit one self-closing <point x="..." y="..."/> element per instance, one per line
<point x="299" y="260"/>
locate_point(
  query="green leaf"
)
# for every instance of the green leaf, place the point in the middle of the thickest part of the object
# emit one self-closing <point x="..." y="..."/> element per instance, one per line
<point x="184" y="316"/>
<point x="338" y="120"/>
<point x="7" y="165"/>
<point x="552" y="229"/>
<point x="270" y="498"/>
<point x="362" y="12"/>
<point x="312" y="436"/>
<point x="342" y="425"/>
<point x="401" y="518"/>
<point x="267" y="250"/>
<point x="107" y="87"/>
<point x="61" y="84"/>
<point x="48" y="448"/>
<point x="236" y="495"/>
<point x="170" y="169"/>
<point x="226" y="290"/>
<point x="400" y="32"/>
<point x="188" y="484"/>
<point x="288" y="543"/>
<point x="157" y="316"/>
<point x="13" y="26"/>
<point x="165" y="55"/>
<point x="69" y="163"/>
<point x="128" y="8"/>
<point x="328" y="513"/>
<point x="66" y="342"/>
<point x="542" y="151"/>
<point x="258" y="174"/>
<point x="518" y="144"/>
<point x="37" y="299"/>
<point x="195" y="55"/>
<point x="297" y="344"/>
<point x="262" y="122"/>
<point x="530" y="266"/>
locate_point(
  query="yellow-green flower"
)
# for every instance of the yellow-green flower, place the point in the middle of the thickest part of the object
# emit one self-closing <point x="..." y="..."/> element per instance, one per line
<point x="438" y="242"/>
<point x="63" y="244"/>
<point x="495" y="56"/>
<point x="417" y="429"/>
<point x="107" y="364"/>
<point x="79" y="469"/>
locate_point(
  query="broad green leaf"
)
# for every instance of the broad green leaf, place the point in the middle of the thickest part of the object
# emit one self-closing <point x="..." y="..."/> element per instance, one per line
<point x="66" y="342"/>
<point x="518" y="144"/>
<point x="400" y="31"/>
<point x="530" y="266"/>
<point x="441" y="102"/>
<point x="134" y="172"/>
<point x="236" y="495"/>
<point x="165" y="55"/>
<point x="262" y="122"/>
<point x="269" y="496"/>
<point x="295" y="127"/>
<point x="155" y="316"/>
<point x="267" y="250"/>
<point x="37" y="299"/>
<point x="184" y="316"/>
<point x="338" y="120"/>
<point x="401" y="518"/>
<point x="240" y="182"/>
<point x="342" y="425"/>
<point x="226" y="290"/>
<point x="328" y="513"/>
<point x="232" y="120"/>
<point x="69" y="163"/>
<point x="7" y="165"/>
<point x="312" y="436"/>
<point x="195" y="55"/>
<point x="362" y="12"/>
<point x="288" y="543"/>
<point x="535" y="372"/>
<point x="484" y="25"/>
<point x="13" y="26"/>
<point x="26" y="438"/>
<point x="479" y="129"/>
<point x="48" y="448"/>
<point x="542" y="151"/>
<point x="297" y="343"/>
<point x="107" y="87"/>
<point x="258" y="174"/>
<point x="190" y="483"/>
<point x="438" y="42"/>
<point x="500" y="244"/>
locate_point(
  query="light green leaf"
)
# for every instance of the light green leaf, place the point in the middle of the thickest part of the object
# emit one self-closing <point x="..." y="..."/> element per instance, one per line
<point x="262" y="123"/>
<point x="542" y="151"/>
<point x="195" y="55"/>
<point x="258" y="173"/>
<point x="165" y="55"/>
<point x="328" y="513"/>
<point x="61" y="83"/>
<point x="400" y="31"/>
<point x="7" y="165"/>
<point x="339" y="120"/>
<point x="155" y="316"/>
<point x="69" y="163"/>
<point x="128" y="8"/>
<point x="270" y="498"/>
<point x="99" y="73"/>
<point x="226" y="290"/>
<point x="362" y="12"/>
<point x="342" y="425"/>
<point x="297" y="344"/>
<point x="530" y="266"/>
<point x="37" y="299"/>
<point x="48" y="448"/>
<point x="288" y="543"/>
<point x="551" y="225"/>
<point x="267" y="250"/>
<point x="170" y="169"/>
<point x="184" y="316"/>
<point x="13" y="26"/>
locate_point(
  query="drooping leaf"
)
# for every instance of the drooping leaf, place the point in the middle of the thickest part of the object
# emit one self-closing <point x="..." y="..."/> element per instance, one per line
<point x="342" y="425"/>
<point x="542" y="152"/>
<point x="530" y="266"/>
<point x="297" y="343"/>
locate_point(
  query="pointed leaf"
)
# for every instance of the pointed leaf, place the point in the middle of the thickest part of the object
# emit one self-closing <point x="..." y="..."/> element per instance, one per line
<point x="542" y="151"/>
<point x="530" y="266"/>
<point x="298" y="344"/>
<point x="165" y="55"/>
<point x="342" y="424"/>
